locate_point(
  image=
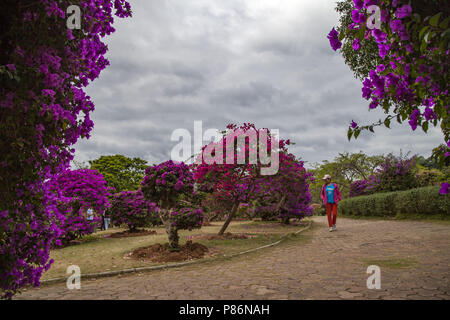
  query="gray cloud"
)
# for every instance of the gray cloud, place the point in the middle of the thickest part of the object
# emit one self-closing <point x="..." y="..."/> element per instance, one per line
<point x="233" y="61"/>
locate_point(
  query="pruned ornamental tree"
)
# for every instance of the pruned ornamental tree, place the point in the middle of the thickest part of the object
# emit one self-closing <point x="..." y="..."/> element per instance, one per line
<point x="229" y="168"/>
<point x="168" y="184"/>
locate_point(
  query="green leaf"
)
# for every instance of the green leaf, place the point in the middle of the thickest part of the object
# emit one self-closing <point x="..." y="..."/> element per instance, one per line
<point x="371" y="129"/>
<point x="435" y="19"/>
<point x="387" y="122"/>
<point x="423" y="31"/>
<point x="416" y="17"/>
<point x="423" y="46"/>
<point x="425" y="126"/>
<point x="357" y="132"/>
<point x="349" y="134"/>
<point x="444" y="23"/>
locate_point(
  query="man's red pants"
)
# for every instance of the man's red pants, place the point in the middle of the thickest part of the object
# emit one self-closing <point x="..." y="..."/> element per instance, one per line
<point x="331" y="208"/>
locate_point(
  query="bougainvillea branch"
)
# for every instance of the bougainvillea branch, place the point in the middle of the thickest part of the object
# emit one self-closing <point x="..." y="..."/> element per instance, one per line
<point x="408" y="75"/>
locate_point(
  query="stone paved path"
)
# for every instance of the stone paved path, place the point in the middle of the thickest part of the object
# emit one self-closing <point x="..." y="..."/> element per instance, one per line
<point x="317" y="265"/>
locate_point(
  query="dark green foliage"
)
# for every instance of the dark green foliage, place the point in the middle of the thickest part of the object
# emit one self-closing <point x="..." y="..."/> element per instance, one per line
<point x="120" y="172"/>
<point x="424" y="201"/>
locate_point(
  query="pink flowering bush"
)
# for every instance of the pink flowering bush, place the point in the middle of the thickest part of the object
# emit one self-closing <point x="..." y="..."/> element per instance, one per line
<point x="170" y="184"/>
<point x="408" y="79"/>
<point x="44" y="110"/>
<point x="132" y="209"/>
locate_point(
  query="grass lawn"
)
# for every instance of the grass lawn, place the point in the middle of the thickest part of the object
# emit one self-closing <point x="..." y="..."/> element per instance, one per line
<point x="99" y="254"/>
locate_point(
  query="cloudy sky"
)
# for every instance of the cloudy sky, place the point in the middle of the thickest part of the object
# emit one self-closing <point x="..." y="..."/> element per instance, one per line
<point x="266" y="62"/>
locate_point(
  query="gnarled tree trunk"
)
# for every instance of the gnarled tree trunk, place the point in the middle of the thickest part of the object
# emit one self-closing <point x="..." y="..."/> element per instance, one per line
<point x="172" y="231"/>
<point x="229" y="218"/>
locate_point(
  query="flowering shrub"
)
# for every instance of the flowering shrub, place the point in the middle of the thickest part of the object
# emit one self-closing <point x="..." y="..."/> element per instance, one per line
<point x="267" y="212"/>
<point x="396" y="174"/>
<point x="187" y="218"/>
<point x="80" y="190"/>
<point x="359" y="188"/>
<point x="130" y="208"/>
<point x="287" y="192"/>
<point x="408" y="78"/>
<point x="168" y="184"/>
<point x="43" y="111"/>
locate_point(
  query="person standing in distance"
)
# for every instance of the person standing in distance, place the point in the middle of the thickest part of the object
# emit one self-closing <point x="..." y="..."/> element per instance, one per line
<point x="330" y="195"/>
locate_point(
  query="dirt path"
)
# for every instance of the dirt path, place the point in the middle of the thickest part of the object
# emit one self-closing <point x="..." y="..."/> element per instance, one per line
<point x="414" y="258"/>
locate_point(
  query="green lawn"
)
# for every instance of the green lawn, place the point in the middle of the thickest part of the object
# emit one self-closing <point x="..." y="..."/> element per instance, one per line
<point x="99" y="254"/>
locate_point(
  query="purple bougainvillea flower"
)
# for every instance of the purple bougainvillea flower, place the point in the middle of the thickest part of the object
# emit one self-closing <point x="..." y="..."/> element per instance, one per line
<point x="356" y="45"/>
<point x="444" y="188"/>
<point x="404" y="11"/>
<point x="354" y="124"/>
<point x="358" y="4"/>
<point x="333" y="36"/>
<point x="11" y="67"/>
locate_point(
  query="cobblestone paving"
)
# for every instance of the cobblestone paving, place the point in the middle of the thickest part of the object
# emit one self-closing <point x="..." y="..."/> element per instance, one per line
<point x="316" y="265"/>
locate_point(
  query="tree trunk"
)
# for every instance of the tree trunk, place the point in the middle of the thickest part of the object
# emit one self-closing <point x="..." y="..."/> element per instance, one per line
<point x="229" y="218"/>
<point x="282" y="200"/>
<point x="172" y="231"/>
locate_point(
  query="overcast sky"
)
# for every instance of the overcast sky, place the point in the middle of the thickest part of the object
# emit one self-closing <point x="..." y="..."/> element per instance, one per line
<point x="266" y="62"/>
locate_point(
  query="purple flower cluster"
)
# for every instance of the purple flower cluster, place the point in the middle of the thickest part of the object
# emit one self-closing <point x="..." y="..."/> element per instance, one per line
<point x="333" y="37"/>
<point x="165" y="182"/>
<point x="187" y="218"/>
<point x="362" y="187"/>
<point x="396" y="174"/>
<point x="130" y="208"/>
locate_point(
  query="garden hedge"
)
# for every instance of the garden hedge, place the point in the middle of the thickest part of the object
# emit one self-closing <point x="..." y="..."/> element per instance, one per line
<point x="424" y="201"/>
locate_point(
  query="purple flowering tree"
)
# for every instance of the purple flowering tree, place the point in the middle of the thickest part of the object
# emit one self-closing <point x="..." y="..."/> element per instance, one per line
<point x="132" y="209"/>
<point x="44" y="110"/>
<point x="405" y="61"/>
<point x="286" y="194"/>
<point x="170" y="184"/>
<point x="79" y="190"/>
<point x="395" y="174"/>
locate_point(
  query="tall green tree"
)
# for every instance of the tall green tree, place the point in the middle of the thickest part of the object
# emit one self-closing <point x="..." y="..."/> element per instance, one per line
<point x="120" y="172"/>
<point x="344" y="169"/>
